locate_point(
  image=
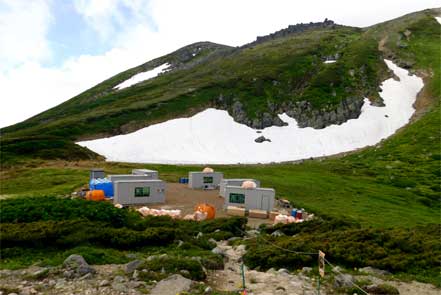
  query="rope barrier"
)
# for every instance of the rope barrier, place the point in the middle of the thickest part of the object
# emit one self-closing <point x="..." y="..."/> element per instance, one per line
<point x="306" y="253"/>
<point x="283" y="249"/>
<point x="354" y="284"/>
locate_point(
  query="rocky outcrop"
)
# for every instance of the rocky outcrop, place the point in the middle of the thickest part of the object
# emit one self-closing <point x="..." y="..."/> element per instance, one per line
<point x="303" y="111"/>
<point x="307" y="116"/>
<point x="294" y="29"/>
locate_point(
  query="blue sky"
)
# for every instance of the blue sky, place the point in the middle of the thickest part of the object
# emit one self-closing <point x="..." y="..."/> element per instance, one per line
<point x="59" y="48"/>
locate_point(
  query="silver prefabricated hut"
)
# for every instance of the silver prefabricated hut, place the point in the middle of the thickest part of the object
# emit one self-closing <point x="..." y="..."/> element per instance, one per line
<point x="118" y="177"/>
<point x="204" y="179"/>
<point x="234" y="182"/>
<point x="255" y="198"/>
<point x="139" y="192"/>
<point x="153" y="174"/>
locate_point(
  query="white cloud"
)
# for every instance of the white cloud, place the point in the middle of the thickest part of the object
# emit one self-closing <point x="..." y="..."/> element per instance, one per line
<point x="140" y="30"/>
<point x="23" y="28"/>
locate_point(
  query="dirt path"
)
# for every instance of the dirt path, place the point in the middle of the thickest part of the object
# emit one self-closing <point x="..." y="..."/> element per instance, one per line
<point x="257" y="283"/>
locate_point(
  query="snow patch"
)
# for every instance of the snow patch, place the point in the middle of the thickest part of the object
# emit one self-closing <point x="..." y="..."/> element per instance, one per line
<point x="143" y="76"/>
<point x="438" y="18"/>
<point x="213" y="137"/>
<point x="330" y="61"/>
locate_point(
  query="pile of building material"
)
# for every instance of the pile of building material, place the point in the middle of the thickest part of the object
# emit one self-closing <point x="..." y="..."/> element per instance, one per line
<point x="196" y="216"/>
<point x="236" y="211"/>
<point x="146" y="211"/>
<point x="285" y="219"/>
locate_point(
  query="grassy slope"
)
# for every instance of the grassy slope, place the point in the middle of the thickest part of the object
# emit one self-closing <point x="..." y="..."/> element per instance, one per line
<point x="396" y="183"/>
<point x="287" y="69"/>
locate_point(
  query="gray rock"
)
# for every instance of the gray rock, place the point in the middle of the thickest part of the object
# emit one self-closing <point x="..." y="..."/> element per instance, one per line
<point x="78" y="265"/>
<point x="261" y="139"/>
<point x="172" y="285"/>
<point x="218" y="251"/>
<point x="241" y="248"/>
<point x="252" y="233"/>
<point x="199" y="235"/>
<point x="277" y="233"/>
<point x="119" y="279"/>
<point x="86" y="276"/>
<point x="306" y="269"/>
<point x="132" y="266"/>
<point x="120" y="287"/>
<point x="383" y="289"/>
<point x="135" y="274"/>
<point x="41" y="273"/>
<point x="104" y="283"/>
<point x="208" y="290"/>
<point x="283" y="270"/>
<point x="343" y="281"/>
<point x="211" y="240"/>
<point x="232" y="239"/>
<point x="374" y="271"/>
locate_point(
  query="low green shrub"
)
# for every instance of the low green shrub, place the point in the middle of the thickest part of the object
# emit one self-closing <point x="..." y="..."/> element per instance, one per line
<point x="71" y="233"/>
<point x="30" y="209"/>
<point x="397" y="250"/>
<point x="175" y="264"/>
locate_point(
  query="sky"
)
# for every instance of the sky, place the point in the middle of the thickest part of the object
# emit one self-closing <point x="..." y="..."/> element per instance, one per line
<point x="52" y="50"/>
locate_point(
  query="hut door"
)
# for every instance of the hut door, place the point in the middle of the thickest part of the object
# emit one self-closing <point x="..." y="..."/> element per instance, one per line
<point x="265" y="202"/>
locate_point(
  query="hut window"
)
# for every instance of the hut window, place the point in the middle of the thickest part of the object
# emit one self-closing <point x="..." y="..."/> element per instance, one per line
<point x="208" y="179"/>
<point x="237" y="198"/>
<point x="142" y="191"/>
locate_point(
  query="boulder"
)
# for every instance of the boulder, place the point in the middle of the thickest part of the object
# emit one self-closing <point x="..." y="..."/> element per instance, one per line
<point x="76" y="264"/>
<point x="133" y="265"/>
<point x="343" y="281"/>
<point x="174" y="284"/>
<point x="261" y="139"/>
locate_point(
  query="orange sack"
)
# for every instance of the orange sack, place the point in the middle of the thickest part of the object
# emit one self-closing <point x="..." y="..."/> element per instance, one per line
<point x="206" y="208"/>
<point x="95" y="195"/>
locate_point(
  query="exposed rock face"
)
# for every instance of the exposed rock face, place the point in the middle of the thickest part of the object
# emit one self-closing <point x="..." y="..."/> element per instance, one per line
<point x="307" y="116"/>
<point x="302" y="111"/>
<point x="293" y="29"/>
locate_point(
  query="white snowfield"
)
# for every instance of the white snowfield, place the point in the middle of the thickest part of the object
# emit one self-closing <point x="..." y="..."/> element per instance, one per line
<point x="143" y="76"/>
<point x="329" y="61"/>
<point x="213" y="137"/>
<point x="438" y="18"/>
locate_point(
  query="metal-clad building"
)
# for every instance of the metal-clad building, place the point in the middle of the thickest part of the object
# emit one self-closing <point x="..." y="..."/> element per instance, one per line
<point x="204" y="180"/>
<point x="234" y="182"/>
<point x="139" y="192"/>
<point x="153" y="174"/>
<point x="96" y="173"/>
<point x="118" y="177"/>
<point x="258" y="198"/>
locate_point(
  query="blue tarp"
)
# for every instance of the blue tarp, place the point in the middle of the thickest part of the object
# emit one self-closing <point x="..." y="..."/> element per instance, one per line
<point x="102" y="184"/>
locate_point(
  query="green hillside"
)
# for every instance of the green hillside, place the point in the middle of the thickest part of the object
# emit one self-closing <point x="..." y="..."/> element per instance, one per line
<point x="379" y="206"/>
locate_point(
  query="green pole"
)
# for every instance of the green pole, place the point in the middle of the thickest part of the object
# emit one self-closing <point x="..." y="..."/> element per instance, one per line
<point x="243" y="275"/>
